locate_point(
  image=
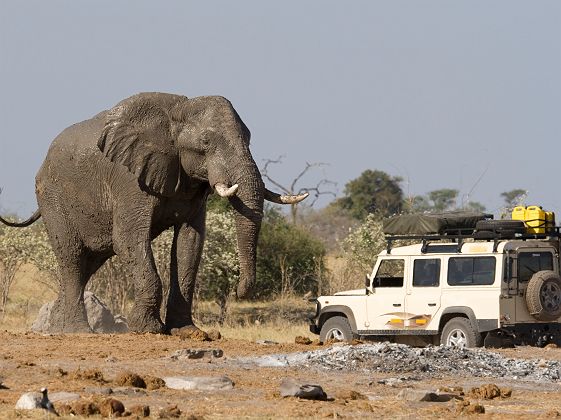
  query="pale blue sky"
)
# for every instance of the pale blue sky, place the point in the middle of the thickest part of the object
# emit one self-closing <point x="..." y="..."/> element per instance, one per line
<point x="437" y="92"/>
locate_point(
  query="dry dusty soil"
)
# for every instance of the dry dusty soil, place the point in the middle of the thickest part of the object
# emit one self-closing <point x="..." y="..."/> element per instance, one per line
<point x="355" y="378"/>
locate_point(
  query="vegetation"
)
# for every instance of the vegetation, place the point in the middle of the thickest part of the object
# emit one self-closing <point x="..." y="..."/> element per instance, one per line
<point x="373" y="191"/>
<point x="306" y="252"/>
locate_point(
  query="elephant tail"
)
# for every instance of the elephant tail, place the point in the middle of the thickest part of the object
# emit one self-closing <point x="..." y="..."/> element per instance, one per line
<point x="25" y="223"/>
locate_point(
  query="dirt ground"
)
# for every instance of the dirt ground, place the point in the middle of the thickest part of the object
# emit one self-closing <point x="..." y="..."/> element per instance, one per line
<point x="90" y="364"/>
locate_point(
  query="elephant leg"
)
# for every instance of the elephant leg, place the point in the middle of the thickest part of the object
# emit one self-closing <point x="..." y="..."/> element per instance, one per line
<point x="145" y="313"/>
<point x="68" y="313"/>
<point x="186" y="254"/>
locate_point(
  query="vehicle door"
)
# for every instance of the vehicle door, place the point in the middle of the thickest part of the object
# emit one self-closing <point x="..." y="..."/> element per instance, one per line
<point x="422" y="297"/>
<point x="528" y="263"/>
<point x="385" y="304"/>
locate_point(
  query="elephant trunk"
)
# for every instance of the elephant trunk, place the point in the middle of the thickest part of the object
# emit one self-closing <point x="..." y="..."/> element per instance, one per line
<point x="248" y="204"/>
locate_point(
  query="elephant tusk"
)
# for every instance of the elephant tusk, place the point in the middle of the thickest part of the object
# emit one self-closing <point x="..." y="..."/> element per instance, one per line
<point x="284" y="199"/>
<point x="224" y="191"/>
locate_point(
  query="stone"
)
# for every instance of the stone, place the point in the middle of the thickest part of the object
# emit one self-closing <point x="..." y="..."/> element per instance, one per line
<point x="267" y="342"/>
<point x="98" y="390"/>
<point x="197" y="354"/>
<point x="35" y="400"/>
<point x="63" y="396"/>
<point x="30" y="401"/>
<point x="202" y="383"/>
<point x="100" y="318"/>
<point x="290" y="388"/>
<point x="129" y="391"/>
<point x="411" y="394"/>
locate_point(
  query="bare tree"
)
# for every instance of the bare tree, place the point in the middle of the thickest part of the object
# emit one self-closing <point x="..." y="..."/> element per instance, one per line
<point x="292" y="189"/>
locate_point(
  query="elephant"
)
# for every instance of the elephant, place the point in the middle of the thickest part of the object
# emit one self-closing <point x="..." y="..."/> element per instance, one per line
<point x="111" y="184"/>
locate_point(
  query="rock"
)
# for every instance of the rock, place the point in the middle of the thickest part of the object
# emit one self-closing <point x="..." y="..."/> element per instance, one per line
<point x="197" y="354"/>
<point x="30" y="401"/>
<point x="98" y="390"/>
<point x="266" y="342"/>
<point x="410" y="394"/>
<point x="203" y="383"/>
<point x="35" y="400"/>
<point x="129" y="391"/>
<point x="100" y="318"/>
<point x="130" y="379"/>
<point x="302" y="340"/>
<point x="290" y="388"/>
<point x="62" y="396"/>
<point x="551" y="346"/>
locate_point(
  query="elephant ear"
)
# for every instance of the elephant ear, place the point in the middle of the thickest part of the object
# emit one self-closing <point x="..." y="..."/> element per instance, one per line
<point x="138" y="135"/>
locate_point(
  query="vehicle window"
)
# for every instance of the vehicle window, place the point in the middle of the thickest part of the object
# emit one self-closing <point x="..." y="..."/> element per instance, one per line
<point x="532" y="262"/>
<point x="465" y="271"/>
<point x="426" y="272"/>
<point x="390" y="273"/>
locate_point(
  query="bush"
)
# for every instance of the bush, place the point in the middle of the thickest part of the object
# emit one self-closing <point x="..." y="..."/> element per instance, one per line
<point x="289" y="259"/>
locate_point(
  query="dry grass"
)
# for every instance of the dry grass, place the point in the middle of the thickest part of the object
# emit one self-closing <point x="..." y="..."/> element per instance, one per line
<point x="27" y="294"/>
<point x="280" y="320"/>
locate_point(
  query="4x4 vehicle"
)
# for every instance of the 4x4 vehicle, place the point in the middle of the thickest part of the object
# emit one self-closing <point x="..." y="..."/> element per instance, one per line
<point x="491" y="283"/>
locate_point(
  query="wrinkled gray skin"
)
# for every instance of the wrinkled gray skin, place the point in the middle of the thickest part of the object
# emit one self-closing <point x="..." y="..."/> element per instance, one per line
<point x="111" y="184"/>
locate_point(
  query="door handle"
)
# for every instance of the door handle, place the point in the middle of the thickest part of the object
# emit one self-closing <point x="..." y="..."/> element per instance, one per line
<point x="397" y="305"/>
<point x="432" y="304"/>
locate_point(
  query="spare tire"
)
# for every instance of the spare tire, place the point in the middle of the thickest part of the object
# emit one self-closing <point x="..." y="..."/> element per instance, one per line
<point x="543" y="296"/>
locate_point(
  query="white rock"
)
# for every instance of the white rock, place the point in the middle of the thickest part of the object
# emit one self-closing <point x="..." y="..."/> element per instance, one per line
<point x="203" y="383"/>
<point x="29" y="401"/>
<point x="64" y="396"/>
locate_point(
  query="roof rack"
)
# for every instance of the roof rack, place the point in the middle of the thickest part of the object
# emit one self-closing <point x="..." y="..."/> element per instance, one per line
<point x="458" y="238"/>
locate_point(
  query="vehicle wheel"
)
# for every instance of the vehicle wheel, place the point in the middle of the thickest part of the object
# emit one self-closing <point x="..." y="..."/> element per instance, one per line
<point x="336" y="328"/>
<point x="543" y="296"/>
<point x="458" y="332"/>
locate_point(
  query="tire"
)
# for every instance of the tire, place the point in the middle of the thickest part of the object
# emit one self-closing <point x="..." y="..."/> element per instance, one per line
<point x="458" y="332"/>
<point x="336" y="328"/>
<point x="543" y="296"/>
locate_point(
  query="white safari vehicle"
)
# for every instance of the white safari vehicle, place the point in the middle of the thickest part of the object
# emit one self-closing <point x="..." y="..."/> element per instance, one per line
<point x="463" y="287"/>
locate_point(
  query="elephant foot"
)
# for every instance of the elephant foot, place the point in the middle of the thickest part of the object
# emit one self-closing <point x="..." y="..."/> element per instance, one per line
<point x="143" y="322"/>
<point x="59" y="319"/>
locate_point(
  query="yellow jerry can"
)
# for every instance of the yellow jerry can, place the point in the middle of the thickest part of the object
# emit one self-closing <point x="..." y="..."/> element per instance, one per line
<point x="535" y="219"/>
<point x="519" y="213"/>
<point x="549" y="221"/>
